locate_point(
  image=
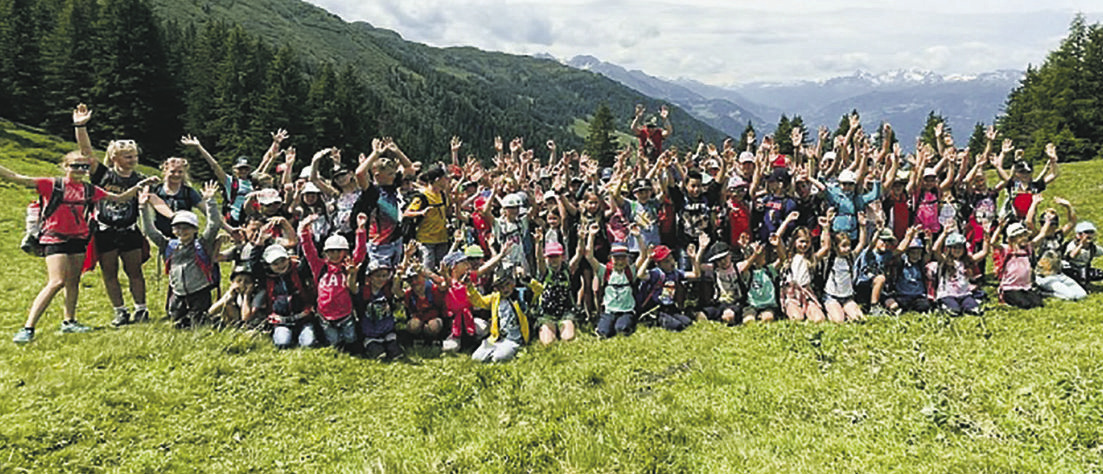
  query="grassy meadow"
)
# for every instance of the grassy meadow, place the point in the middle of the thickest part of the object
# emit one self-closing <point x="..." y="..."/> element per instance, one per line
<point x="1013" y="391"/>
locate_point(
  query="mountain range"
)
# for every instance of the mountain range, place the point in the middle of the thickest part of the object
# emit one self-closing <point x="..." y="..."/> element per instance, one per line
<point x="903" y="98"/>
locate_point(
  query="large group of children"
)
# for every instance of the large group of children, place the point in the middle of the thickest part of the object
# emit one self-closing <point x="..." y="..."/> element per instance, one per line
<point x="370" y="254"/>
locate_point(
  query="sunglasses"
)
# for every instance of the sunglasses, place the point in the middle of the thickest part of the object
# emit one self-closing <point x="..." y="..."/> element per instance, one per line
<point x="80" y="166"/>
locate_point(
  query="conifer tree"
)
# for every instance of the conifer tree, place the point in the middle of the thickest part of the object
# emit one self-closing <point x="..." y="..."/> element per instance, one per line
<point x="744" y="144"/>
<point x="69" y="55"/>
<point x="22" y="27"/>
<point x="599" y="142"/>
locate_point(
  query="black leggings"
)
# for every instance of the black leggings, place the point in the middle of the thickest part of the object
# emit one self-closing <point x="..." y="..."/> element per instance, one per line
<point x="1025" y="299"/>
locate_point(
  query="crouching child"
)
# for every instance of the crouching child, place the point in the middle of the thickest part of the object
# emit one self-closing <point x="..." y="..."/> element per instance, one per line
<point x="661" y="292"/>
<point x="287" y="297"/>
<point x="376" y="300"/>
<point x="510" y="328"/>
<point x="188" y="263"/>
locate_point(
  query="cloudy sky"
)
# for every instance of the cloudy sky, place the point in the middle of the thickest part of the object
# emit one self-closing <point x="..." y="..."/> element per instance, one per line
<point x="722" y="43"/>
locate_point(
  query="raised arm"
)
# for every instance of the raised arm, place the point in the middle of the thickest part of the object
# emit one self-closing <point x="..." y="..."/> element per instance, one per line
<point x="273" y="151"/>
<point x="316" y="177"/>
<point x="146" y="213"/>
<point x="1051" y="152"/>
<point x="188" y="140"/>
<point x="81" y="116"/>
<point x="667" y="127"/>
<point x="214" y="218"/>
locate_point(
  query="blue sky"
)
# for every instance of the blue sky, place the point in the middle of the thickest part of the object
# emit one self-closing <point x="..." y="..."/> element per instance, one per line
<point x="731" y="42"/>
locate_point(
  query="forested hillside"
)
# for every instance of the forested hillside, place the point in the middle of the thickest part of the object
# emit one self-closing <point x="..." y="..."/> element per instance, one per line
<point x="233" y="71"/>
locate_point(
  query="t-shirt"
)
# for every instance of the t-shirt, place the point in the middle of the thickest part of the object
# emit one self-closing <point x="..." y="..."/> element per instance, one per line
<point x="646" y="215"/>
<point x="185" y="199"/>
<point x="68" y="221"/>
<point x="1084" y="258"/>
<point x="556" y="299"/>
<point x="662" y="287"/>
<point x="1016" y="273"/>
<point x="618" y="296"/>
<point x="433" y="228"/>
<point x="771" y="211"/>
<point x="840" y="281"/>
<point x="800" y="272"/>
<point x="651" y="140"/>
<point x="380" y="204"/>
<point x="116" y="215"/>
<point x="952" y="281"/>
<point x="761" y="293"/>
<point x="909" y="281"/>
<point x="729" y="288"/>
<point x="695" y="218"/>
<point x="507" y="231"/>
<point x="342" y="218"/>
<point x="509" y="325"/>
<point x="739" y="220"/>
<point x="428" y="307"/>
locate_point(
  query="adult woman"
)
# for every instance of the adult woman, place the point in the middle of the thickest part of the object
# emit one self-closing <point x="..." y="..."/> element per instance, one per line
<point x="65" y="232"/>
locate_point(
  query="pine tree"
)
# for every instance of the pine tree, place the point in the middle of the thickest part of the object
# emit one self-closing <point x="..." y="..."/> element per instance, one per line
<point x="844" y="124"/>
<point x="599" y="142"/>
<point x="23" y="24"/>
<point x="240" y="73"/>
<point x="781" y="136"/>
<point x="134" y="94"/>
<point x="977" y="140"/>
<point x="70" y="67"/>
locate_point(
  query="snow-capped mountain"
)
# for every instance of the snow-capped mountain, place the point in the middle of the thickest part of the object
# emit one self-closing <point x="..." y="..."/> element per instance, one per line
<point x="901" y="97"/>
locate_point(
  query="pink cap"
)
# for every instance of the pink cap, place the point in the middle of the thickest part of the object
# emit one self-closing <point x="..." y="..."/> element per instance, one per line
<point x="553" y="249"/>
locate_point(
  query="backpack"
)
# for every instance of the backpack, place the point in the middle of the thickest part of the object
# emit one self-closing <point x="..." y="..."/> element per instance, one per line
<point x="297" y="282"/>
<point x="39" y="211"/>
<point x="407" y="226"/>
<point x="231" y="196"/>
<point x="209" y="268"/>
<point x="428" y="295"/>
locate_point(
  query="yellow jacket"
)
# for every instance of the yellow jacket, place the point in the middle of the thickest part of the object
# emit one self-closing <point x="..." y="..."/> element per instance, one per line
<point x="492" y="301"/>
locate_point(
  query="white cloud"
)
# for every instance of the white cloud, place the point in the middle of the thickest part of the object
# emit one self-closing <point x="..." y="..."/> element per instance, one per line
<point x="732" y="42"/>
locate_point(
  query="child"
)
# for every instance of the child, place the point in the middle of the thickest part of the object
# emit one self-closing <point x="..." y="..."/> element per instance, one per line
<point x="874" y="274"/>
<point x="762" y="293"/>
<point x="909" y="286"/>
<point x="838" y="290"/>
<point x="1016" y="283"/>
<point x="236" y="307"/>
<point x="286" y="296"/>
<point x="618" y="315"/>
<point x="729" y="296"/>
<point x="799" y="299"/>
<point x="662" y="287"/>
<point x="375" y="288"/>
<point x="509" y="327"/>
<point x="955" y="272"/>
<point x="458" y="269"/>
<point x="425" y="305"/>
<point x="556" y="310"/>
<point x="332" y="279"/>
<point x="1079" y="254"/>
<point x="188" y="258"/>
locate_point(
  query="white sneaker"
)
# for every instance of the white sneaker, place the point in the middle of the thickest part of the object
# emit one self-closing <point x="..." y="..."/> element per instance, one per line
<point x="450" y="345"/>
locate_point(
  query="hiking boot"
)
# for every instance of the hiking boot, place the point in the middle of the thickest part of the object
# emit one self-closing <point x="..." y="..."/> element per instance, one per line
<point x="122" y="318"/>
<point x="73" y="327"/>
<point x="24" y="336"/>
<point x="141" y="315"/>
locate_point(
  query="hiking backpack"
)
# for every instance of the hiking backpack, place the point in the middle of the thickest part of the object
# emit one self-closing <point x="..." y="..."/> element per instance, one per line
<point x="39" y="211"/>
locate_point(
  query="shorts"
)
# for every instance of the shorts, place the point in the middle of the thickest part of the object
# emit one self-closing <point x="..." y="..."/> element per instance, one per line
<point x="69" y="247"/>
<point x="863" y="291"/>
<point x="124" y="240"/>
<point x="842" y="300"/>
<point x="716" y="311"/>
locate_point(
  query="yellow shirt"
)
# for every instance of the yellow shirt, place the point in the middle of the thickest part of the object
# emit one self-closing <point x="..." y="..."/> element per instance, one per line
<point x="433" y="228"/>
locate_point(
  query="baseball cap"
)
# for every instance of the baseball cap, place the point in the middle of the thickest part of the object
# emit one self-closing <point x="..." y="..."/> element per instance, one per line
<point x="336" y="242"/>
<point x="242" y="161"/>
<point x="1085" y="226"/>
<point x="186" y="217"/>
<point x="273" y="253"/>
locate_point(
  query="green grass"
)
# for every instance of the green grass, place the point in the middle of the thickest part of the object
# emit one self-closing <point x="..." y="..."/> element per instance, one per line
<point x="1014" y="391"/>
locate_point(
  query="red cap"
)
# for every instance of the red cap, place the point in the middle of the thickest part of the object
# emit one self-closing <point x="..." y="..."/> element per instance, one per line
<point x="781" y="161"/>
<point x="456" y="171"/>
<point x="660" y="253"/>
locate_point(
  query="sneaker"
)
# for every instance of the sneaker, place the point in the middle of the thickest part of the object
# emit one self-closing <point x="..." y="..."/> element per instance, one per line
<point x="450" y="345"/>
<point x="24" y="336"/>
<point x="122" y="318"/>
<point x="72" y="327"/>
<point x="878" y="310"/>
<point x="141" y="315"/>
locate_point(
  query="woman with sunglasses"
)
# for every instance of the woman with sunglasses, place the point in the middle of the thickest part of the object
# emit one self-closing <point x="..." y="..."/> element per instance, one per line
<point x="118" y="237"/>
<point x="65" y="232"/>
